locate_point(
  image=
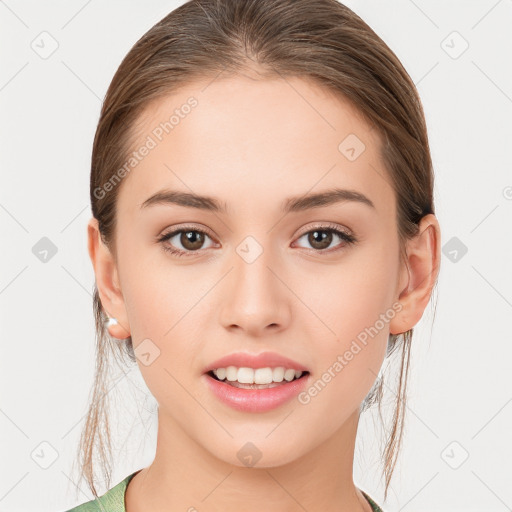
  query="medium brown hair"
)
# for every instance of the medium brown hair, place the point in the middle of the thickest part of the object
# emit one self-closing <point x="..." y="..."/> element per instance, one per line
<point x="320" y="40"/>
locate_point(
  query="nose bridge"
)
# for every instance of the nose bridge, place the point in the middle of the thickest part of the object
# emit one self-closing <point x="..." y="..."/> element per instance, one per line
<point x="252" y="265"/>
<point x="255" y="298"/>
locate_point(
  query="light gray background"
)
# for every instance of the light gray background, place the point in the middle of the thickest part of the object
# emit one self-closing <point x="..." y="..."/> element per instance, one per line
<point x="460" y="390"/>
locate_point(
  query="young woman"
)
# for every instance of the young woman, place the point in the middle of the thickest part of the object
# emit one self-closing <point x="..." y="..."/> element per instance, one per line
<point x="263" y="238"/>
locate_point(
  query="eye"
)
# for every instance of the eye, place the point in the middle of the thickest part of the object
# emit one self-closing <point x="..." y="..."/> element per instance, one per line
<point x="322" y="236"/>
<point x="191" y="240"/>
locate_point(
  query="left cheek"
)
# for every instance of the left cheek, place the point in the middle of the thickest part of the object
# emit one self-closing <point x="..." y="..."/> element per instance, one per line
<point x="351" y="315"/>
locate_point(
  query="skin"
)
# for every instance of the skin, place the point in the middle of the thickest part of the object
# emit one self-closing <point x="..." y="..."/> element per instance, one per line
<point x="252" y="144"/>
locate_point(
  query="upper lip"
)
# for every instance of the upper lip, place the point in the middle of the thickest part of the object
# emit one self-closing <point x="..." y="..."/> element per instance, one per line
<point x="261" y="360"/>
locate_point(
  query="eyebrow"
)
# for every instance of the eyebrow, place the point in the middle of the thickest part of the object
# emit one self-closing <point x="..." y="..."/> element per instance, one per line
<point x="292" y="204"/>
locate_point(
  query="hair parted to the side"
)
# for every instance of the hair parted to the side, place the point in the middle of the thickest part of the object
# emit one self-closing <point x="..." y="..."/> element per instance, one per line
<point x="319" y="40"/>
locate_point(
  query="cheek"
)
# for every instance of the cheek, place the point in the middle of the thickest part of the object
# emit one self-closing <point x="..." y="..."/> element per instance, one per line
<point x="163" y="304"/>
<point x="352" y="295"/>
<point x="353" y="305"/>
<point x="153" y="290"/>
<point x="351" y="348"/>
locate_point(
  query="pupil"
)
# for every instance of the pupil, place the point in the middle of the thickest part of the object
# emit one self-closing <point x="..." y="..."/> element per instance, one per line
<point x="325" y="239"/>
<point x="192" y="239"/>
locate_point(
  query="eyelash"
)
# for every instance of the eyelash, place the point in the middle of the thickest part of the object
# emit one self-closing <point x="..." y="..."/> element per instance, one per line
<point x="328" y="228"/>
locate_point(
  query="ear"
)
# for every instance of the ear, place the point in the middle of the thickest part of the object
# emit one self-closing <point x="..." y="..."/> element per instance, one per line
<point x="418" y="274"/>
<point x="107" y="281"/>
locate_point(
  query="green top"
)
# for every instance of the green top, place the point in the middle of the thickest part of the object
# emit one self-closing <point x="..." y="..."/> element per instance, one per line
<point x="375" y="507"/>
<point x="113" y="500"/>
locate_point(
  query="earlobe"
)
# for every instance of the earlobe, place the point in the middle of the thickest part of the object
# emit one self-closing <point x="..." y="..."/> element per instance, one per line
<point x="419" y="273"/>
<point x="107" y="281"/>
<point x="115" y="329"/>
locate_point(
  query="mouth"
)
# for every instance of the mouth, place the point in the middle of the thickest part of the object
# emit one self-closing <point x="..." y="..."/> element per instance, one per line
<point x="258" y="392"/>
<point x="236" y="384"/>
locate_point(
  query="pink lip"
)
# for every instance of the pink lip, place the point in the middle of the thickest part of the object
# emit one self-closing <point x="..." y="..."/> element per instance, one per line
<point x="262" y="360"/>
<point x="255" y="400"/>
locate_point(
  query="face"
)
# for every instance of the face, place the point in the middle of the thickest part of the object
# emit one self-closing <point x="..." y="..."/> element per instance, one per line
<point x="315" y="283"/>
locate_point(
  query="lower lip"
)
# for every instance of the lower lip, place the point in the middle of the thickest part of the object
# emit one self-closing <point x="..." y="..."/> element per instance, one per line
<point x="256" y="400"/>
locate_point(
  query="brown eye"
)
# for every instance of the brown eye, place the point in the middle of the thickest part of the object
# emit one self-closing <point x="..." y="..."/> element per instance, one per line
<point x="190" y="240"/>
<point x="321" y="238"/>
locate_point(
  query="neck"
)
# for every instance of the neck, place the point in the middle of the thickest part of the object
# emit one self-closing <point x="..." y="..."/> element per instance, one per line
<point x="184" y="475"/>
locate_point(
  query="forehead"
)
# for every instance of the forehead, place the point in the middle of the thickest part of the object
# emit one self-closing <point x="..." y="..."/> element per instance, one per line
<point x="241" y="139"/>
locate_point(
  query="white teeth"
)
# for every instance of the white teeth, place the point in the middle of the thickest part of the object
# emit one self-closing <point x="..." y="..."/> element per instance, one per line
<point x="278" y="374"/>
<point x="266" y="375"/>
<point x="231" y="373"/>
<point x="289" y="375"/>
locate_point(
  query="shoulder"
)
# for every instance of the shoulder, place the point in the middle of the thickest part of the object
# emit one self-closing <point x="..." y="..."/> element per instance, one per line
<point x="375" y="507"/>
<point x="111" y="501"/>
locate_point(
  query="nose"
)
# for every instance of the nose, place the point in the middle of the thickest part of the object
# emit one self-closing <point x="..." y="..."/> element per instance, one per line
<point x="255" y="298"/>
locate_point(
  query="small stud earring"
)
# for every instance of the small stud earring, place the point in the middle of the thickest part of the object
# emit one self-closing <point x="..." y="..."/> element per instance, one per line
<point x="111" y="321"/>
